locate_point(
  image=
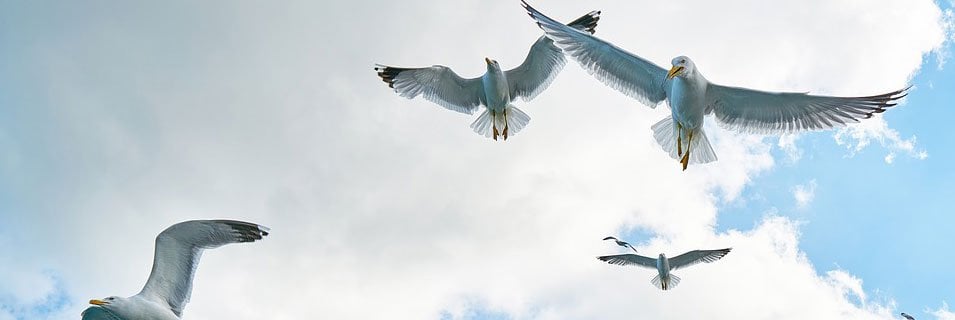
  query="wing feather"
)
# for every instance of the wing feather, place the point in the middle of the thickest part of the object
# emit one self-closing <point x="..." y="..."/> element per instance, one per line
<point x="543" y="62"/>
<point x="697" y="256"/>
<point x="630" y="260"/>
<point x="628" y="73"/>
<point x="438" y="84"/>
<point x="753" y="111"/>
<point x="178" y="249"/>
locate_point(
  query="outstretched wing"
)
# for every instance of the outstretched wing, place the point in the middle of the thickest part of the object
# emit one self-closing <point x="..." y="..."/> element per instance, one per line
<point x="697" y="256"/>
<point x="630" y="260"/>
<point x="438" y="84"/>
<point x="544" y="62"/>
<point x="178" y="249"/>
<point x="753" y="111"/>
<point x="628" y="73"/>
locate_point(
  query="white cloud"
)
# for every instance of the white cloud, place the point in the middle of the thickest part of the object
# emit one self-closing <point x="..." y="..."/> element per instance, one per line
<point x="387" y="208"/>
<point x="787" y="143"/>
<point x="857" y="137"/>
<point x="943" y="313"/>
<point x="804" y="193"/>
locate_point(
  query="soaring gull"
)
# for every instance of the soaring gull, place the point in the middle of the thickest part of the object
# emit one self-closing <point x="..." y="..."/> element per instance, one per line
<point x="907" y="316"/>
<point x="621" y="243"/>
<point x="178" y="249"/>
<point x="495" y="90"/>
<point x="664" y="279"/>
<point x="691" y="97"/>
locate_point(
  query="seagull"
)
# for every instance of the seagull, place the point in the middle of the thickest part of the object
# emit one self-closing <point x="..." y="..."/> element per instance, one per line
<point x="664" y="279"/>
<point x="691" y="97"/>
<point x="621" y="243"/>
<point x="495" y="90"/>
<point x="178" y="249"/>
<point x="905" y="315"/>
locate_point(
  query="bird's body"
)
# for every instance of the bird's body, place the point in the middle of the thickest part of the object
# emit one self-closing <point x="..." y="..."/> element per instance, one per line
<point x="178" y="249"/>
<point x="691" y="97"/>
<point x="496" y="90"/>
<point x="665" y="280"/>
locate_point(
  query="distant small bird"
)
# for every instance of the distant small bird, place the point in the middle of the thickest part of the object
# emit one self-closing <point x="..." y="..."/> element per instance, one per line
<point x="621" y="243"/>
<point x="664" y="279"/>
<point x="495" y="90"/>
<point x="905" y="315"/>
<point x="178" y="249"/>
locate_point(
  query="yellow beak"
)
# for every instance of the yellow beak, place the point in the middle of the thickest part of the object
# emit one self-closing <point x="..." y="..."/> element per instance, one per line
<point x="488" y="60"/>
<point x="97" y="302"/>
<point x="674" y="71"/>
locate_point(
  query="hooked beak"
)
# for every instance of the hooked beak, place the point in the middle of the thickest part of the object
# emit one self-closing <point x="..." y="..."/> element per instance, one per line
<point x="488" y="60"/>
<point x="674" y="71"/>
<point x="97" y="302"/>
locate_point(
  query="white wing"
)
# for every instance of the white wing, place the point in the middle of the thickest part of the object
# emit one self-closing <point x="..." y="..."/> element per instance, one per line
<point x="630" y="260"/>
<point x="634" y="76"/>
<point x="753" y="111"/>
<point x="697" y="256"/>
<point x="544" y="62"/>
<point x="438" y="84"/>
<point x="178" y="249"/>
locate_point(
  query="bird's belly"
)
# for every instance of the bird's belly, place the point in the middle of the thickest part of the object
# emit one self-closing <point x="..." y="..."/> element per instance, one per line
<point x="497" y="93"/>
<point x="686" y="105"/>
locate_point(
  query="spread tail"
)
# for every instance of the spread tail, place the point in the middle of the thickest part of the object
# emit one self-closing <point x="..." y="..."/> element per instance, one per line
<point x="492" y="124"/>
<point x="666" y="284"/>
<point x="699" y="148"/>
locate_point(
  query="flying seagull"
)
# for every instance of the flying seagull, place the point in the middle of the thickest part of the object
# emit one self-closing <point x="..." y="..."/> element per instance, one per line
<point x="178" y="249"/>
<point x="664" y="279"/>
<point x="621" y="243"/>
<point x="906" y="316"/>
<point x="495" y="90"/>
<point x="691" y="97"/>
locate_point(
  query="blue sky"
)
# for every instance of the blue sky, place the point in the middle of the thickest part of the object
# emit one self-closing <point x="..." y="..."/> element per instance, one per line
<point x="118" y="119"/>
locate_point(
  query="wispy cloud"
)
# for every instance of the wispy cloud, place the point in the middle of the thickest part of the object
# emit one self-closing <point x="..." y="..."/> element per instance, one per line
<point x="857" y="137"/>
<point x="804" y="193"/>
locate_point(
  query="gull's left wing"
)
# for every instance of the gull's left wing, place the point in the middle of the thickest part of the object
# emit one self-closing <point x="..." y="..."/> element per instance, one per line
<point x="697" y="256"/>
<point x="747" y="110"/>
<point x="178" y="249"/>
<point x="626" y="72"/>
<point x="544" y="62"/>
<point x="630" y="260"/>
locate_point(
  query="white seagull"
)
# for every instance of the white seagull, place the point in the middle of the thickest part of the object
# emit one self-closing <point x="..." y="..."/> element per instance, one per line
<point x="664" y="279"/>
<point x="178" y="249"/>
<point x="495" y="90"/>
<point x="621" y="243"/>
<point x="691" y="97"/>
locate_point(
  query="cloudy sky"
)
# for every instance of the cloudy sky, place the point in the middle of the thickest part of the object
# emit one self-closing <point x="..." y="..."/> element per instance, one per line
<point x="118" y="119"/>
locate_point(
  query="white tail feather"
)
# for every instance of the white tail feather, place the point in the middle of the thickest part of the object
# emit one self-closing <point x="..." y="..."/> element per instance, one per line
<point x="700" y="149"/>
<point x="669" y="283"/>
<point x="514" y="121"/>
<point x="482" y="125"/>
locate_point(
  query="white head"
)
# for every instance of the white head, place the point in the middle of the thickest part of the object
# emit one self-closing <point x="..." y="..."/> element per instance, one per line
<point x="663" y="256"/>
<point x="682" y="66"/>
<point x="492" y="65"/>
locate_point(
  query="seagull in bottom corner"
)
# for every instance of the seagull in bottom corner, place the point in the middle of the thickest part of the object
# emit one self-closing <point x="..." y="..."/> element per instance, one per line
<point x="664" y="279"/>
<point x="691" y="97"/>
<point x="178" y="249"/>
<point x="495" y="90"/>
<point x="621" y="243"/>
<point x="906" y="316"/>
